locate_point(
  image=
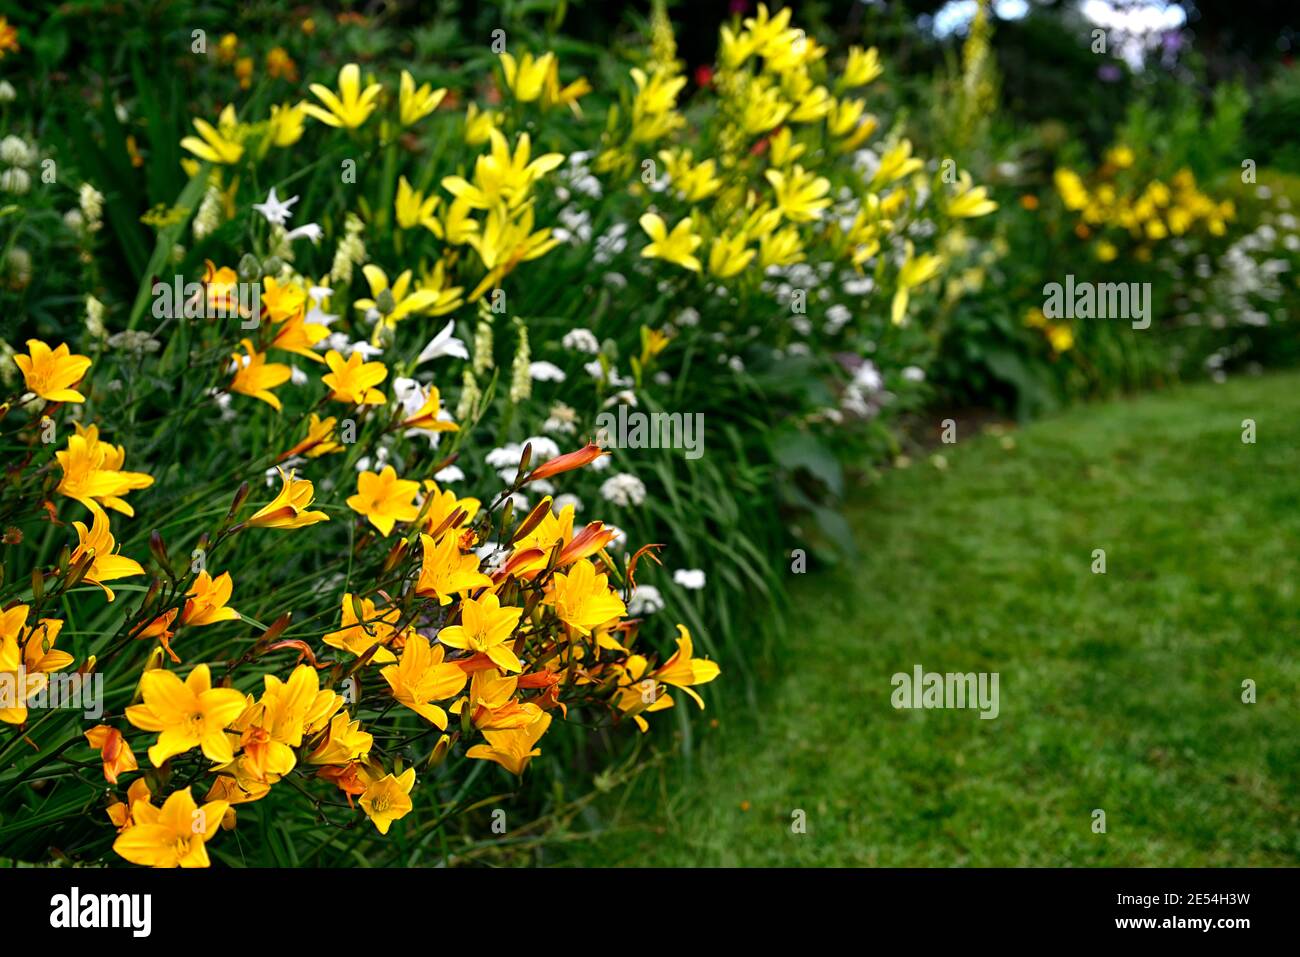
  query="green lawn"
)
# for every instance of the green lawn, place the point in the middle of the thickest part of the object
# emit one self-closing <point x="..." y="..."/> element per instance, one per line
<point x="1119" y="691"/>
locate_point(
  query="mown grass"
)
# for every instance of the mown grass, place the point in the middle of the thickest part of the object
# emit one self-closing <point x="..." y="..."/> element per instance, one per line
<point x="1120" y="691"/>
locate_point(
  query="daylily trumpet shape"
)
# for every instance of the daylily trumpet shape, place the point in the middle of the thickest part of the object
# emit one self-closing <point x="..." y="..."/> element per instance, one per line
<point x="175" y="835"/>
<point x="289" y="509"/>
<point x="351" y="106"/>
<point x="186" y="714"/>
<point x="51" y="373"/>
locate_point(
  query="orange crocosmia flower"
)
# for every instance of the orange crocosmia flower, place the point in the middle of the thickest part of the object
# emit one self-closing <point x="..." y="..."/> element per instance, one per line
<point x="582" y="599"/>
<point x="114" y="751"/>
<point x="29" y="653"/>
<point x="389" y="799"/>
<point x="385" y="499"/>
<point x="514" y="748"/>
<point x="683" y="669"/>
<point x="92" y="472"/>
<point x="106" y="565"/>
<point x="353" y="380"/>
<point x="186" y="714"/>
<point x="319" y="441"/>
<point x="445" y="571"/>
<point x="485" y="627"/>
<point x="422" y="676"/>
<point x="357" y="636"/>
<point x="175" y="835"/>
<point x="256" y="377"/>
<point x="289" y="509"/>
<point x="51" y="373"/>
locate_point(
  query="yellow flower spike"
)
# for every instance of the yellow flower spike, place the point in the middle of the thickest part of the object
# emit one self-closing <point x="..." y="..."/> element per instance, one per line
<point x="92" y="472"/>
<point x="512" y="749"/>
<point x="256" y="377"/>
<point x="445" y="571"/>
<point x="414" y="104"/>
<point x="384" y="499"/>
<point x="98" y="542"/>
<point x="583" y="599"/>
<point x="388" y="799"/>
<point x="351" y="106"/>
<point x="51" y="373"/>
<point x="526" y="77"/>
<point x="358" y="635"/>
<point x="422" y="676"/>
<point x="175" y="835"/>
<point x="485" y="627"/>
<point x="186" y="715"/>
<point x="800" y="195"/>
<point x="217" y="145"/>
<point x="353" y="380"/>
<point x="289" y="508"/>
<point x="676" y="247"/>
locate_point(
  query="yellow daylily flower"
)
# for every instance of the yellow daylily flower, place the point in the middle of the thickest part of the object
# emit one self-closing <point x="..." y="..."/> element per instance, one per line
<point x="800" y="195"/>
<point x="388" y="799"/>
<point x="526" y="77"/>
<point x="501" y="175"/>
<point x="683" y="669"/>
<point x="351" y="106"/>
<point x="514" y="748"/>
<point x="485" y="627"/>
<point x="217" y="145"/>
<point x="175" y="835"/>
<point x="256" y="377"/>
<point x="895" y="164"/>
<point x="583" y="599"/>
<point x="289" y="508"/>
<point x="35" y="660"/>
<point x="915" y="271"/>
<point x="373" y="628"/>
<point x="422" y="676"/>
<point x="676" y="247"/>
<point x="413" y="209"/>
<point x="98" y="542"/>
<point x="384" y="499"/>
<point x="92" y="472"/>
<point x="729" y="255"/>
<point x="414" y="104"/>
<point x="51" y="373"/>
<point x="186" y="715"/>
<point x="967" y="202"/>
<point x="446" y="571"/>
<point x="353" y="380"/>
<point x="286" y="124"/>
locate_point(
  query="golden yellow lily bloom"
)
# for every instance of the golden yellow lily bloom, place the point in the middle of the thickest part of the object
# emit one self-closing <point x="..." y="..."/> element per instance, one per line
<point x="526" y="77"/>
<point x="861" y="68"/>
<point x="207" y="601"/>
<point x="289" y="509"/>
<point x="97" y="542"/>
<point x="514" y="748"/>
<point x="388" y="799"/>
<point x="501" y="175"/>
<point x="676" y="247"/>
<point x="414" y="104"/>
<point x="358" y="635"/>
<point x="353" y="380"/>
<point x="344" y="742"/>
<point x="384" y="499"/>
<point x="780" y="248"/>
<point x="800" y="195"/>
<point x="485" y="627"/>
<point x="413" y="209"/>
<point x="92" y="472"/>
<point x="583" y="599"/>
<point x="175" y="835"/>
<point x="51" y="373"/>
<point x="479" y="124"/>
<point x="406" y="301"/>
<point x="442" y="503"/>
<point x="319" y="441"/>
<point x="895" y="164"/>
<point x="422" y="676"/>
<point x="256" y="377"/>
<point x="683" y="669"/>
<point x="968" y="202"/>
<point x="186" y="715"/>
<point x="286" y="124"/>
<point x="915" y="271"/>
<point x="445" y="571"/>
<point x="217" y="144"/>
<point x="729" y="256"/>
<point x="351" y="106"/>
<point x="35" y="659"/>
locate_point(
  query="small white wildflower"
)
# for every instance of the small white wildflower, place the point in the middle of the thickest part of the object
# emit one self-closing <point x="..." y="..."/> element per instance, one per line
<point x="623" y="489"/>
<point x="692" y="578"/>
